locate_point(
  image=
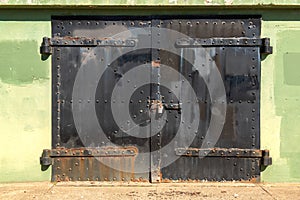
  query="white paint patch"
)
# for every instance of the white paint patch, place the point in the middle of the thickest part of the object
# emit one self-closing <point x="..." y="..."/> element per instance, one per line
<point x="228" y="2"/>
<point x="172" y="1"/>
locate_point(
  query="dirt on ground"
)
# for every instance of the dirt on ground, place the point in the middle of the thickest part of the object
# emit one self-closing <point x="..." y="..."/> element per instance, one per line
<point x="126" y="191"/>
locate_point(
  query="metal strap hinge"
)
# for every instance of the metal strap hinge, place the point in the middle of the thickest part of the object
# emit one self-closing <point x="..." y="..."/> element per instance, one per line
<point x="48" y="43"/>
<point x="49" y="154"/>
<point x="263" y="43"/>
<point x="266" y="160"/>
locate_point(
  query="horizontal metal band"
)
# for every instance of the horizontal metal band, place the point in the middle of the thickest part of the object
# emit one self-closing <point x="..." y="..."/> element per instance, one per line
<point x="204" y="42"/>
<point x="74" y="41"/>
<point x="85" y="42"/>
<point x="92" y="152"/>
<point x="219" y="152"/>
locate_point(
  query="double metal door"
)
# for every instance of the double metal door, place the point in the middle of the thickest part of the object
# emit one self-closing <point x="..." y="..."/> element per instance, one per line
<point x="155" y="98"/>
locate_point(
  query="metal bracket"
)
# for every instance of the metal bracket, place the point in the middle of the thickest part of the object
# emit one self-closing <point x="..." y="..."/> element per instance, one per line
<point x="48" y="43"/>
<point x="45" y="159"/>
<point x="45" y="48"/>
<point x="265" y="48"/>
<point x="266" y="159"/>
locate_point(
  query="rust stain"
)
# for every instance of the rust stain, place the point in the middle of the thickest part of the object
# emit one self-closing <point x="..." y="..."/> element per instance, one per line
<point x="132" y="169"/>
<point x="89" y="164"/>
<point x="141" y="180"/>
<point x="123" y="166"/>
<point x="160" y="176"/>
<point x="156" y="104"/>
<point x="81" y="168"/>
<point x="155" y="63"/>
<point x="109" y="151"/>
<point x="222" y="152"/>
<point x="80" y="165"/>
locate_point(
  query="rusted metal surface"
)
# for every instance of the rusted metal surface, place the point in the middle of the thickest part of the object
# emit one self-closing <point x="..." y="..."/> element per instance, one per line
<point x="94" y="152"/>
<point x="94" y="164"/>
<point x="155" y="63"/>
<point x="81" y="41"/>
<point x="232" y="44"/>
<point x="220" y="152"/>
<point x="93" y="169"/>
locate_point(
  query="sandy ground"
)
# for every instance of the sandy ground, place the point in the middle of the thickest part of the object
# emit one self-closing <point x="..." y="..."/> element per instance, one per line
<point x="124" y="191"/>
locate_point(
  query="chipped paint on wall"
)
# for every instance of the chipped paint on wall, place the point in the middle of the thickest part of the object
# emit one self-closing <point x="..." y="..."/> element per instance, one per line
<point x="25" y="109"/>
<point x="281" y="101"/>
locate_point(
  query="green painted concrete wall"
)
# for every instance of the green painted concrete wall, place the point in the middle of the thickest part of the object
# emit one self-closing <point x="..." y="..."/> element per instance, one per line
<point x="25" y="95"/>
<point x="281" y="101"/>
<point x="25" y="88"/>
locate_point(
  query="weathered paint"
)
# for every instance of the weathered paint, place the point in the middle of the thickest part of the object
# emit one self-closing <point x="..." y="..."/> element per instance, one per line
<point x="281" y="101"/>
<point x="25" y="101"/>
<point x="25" y="89"/>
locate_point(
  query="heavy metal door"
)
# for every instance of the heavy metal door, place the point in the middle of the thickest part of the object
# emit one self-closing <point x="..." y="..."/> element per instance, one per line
<point x="155" y="98"/>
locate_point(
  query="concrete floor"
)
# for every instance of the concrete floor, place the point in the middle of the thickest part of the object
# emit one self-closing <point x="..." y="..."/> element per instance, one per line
<point x="107" y="190"/>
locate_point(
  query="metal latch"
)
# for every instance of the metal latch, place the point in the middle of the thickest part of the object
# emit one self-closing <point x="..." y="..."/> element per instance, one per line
<point x="173" y="106"/>
<point x="159" y="105"/>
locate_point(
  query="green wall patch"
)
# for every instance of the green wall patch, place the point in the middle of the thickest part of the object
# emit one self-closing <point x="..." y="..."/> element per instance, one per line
<point x="291" y="68"/>
<point x="20" y="62"/>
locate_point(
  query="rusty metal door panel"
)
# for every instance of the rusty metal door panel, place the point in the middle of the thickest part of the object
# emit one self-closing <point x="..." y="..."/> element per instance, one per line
<point x="191" y="86"/>
<point x="239" y="68"/>
<point x="93" y="93"/>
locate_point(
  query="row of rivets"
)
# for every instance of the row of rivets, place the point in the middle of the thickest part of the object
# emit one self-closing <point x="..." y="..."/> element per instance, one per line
<point x="58" y="83"/>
